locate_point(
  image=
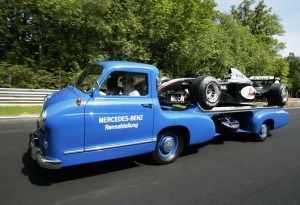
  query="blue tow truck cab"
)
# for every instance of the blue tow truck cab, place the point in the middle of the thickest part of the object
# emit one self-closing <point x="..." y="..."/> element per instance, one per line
<point x="113" y="111"/>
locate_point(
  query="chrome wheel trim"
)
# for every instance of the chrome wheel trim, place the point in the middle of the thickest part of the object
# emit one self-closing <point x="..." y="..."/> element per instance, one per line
<point x="264" y="130"/>
<point x="168" y="146"/>
<point x="212" y="92"/>
<point x="284" y="95"/>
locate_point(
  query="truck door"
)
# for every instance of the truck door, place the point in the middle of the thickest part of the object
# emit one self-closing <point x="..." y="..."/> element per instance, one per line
<point x="120" y="118"/>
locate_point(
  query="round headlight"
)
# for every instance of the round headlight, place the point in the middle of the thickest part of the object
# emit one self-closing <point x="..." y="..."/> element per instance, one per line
<point x="45" y="143"/>
<point x="44" y="114"/>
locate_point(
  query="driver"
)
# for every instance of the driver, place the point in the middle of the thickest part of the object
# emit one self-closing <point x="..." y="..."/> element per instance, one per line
<point x="127" y="83"/>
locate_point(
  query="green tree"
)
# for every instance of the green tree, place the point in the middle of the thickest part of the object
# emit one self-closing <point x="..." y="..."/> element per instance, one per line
<point x="294" y="74"/>
<point x="54" y="37"/>
<point x="234" y="46"/>
<point x="261" y="23"/>
<point x="162" y="32"/>
<point x="48" y="42"/>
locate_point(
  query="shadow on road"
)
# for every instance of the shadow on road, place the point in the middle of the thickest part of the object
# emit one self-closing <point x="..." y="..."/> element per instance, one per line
<point x="43" y="177"/>
<point x="243" y="137"/>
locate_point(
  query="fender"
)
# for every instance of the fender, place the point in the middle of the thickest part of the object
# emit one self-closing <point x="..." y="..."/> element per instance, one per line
<point x="200" y="125"/>
<point x="278" y="117"/>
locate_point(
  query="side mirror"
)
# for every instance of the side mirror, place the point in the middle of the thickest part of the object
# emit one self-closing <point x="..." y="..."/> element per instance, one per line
<point x="92" y="92"/>
<point x="95" y="92"/>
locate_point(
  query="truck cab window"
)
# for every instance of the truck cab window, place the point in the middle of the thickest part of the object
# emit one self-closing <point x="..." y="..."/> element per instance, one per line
<point x="126" y="84"/>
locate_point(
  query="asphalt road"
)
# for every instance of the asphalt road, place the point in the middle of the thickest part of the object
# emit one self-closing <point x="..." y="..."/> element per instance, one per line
<point x="232" y="170"/>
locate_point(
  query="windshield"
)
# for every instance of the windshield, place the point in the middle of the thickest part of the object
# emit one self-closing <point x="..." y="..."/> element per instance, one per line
<point x="88" y="78"/>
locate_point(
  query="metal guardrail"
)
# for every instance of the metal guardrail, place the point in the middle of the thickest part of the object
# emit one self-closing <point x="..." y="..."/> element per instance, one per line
<point x="19" y="96"/>
<point x="294" y="101"/>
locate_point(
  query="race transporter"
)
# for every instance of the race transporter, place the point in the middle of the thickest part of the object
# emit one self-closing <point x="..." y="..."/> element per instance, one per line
<point x="114" y="111"/>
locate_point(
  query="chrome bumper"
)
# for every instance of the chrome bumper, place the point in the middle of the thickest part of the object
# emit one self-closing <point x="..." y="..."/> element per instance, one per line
<point x="37" y="154"/>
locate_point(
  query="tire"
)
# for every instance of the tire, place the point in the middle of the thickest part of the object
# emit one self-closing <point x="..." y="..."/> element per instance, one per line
<point x="264" y="132"/>
<point x="169" y="146"/>
<point x="206" y="91"/>
<point x="277" y="94"/>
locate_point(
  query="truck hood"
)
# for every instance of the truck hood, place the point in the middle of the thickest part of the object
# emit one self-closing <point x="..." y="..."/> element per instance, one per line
<point x="65" y="94"/>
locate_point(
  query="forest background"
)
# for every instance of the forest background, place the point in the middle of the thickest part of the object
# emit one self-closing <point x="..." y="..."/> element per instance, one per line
<point x="46" y="43"/>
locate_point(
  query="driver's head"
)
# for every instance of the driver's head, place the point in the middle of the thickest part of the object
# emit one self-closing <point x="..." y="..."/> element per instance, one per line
<point x="127" y="82"/>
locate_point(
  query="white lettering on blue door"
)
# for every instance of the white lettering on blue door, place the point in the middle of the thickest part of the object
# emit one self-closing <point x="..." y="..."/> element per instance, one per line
<point x="125" y="122"/>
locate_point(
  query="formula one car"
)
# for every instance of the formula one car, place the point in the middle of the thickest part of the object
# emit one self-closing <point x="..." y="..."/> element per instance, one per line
<point x="209" y="92"/>
<point x="263" y="84"/>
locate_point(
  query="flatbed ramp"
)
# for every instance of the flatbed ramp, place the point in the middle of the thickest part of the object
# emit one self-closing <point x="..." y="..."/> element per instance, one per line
<point x="242" y="108"/>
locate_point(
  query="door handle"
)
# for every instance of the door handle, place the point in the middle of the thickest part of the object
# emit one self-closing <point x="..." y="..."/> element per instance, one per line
<point x="147" y="105"/>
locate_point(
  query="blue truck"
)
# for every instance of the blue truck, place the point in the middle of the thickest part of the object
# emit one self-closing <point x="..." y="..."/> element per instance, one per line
<point x="113" y="111"/>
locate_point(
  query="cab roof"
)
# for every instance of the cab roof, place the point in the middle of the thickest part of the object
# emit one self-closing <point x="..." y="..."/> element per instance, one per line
<point x="108" y="65"/>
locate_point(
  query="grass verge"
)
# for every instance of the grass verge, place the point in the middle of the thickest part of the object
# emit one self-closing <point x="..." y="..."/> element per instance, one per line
<point x="20" y="110"/>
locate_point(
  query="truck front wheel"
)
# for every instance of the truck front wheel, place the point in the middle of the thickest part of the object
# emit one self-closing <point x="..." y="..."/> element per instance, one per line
<point x="168" y="147"/>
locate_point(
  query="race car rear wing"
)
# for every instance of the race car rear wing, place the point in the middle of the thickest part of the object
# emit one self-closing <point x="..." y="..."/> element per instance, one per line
<point x="265" y="78"/>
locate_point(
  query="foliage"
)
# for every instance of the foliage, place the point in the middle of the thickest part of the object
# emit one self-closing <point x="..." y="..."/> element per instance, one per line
<point x="294" y="74"/>
<point x="20" y="76"/>
<point x="45" y="44"/>
<point x="260" y="22"/>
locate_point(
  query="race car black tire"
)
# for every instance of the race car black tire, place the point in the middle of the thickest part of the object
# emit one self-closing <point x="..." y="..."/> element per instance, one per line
<point x="206" y="91"/>
<point x="169" y="145"/>
<point x="277" y="94"/>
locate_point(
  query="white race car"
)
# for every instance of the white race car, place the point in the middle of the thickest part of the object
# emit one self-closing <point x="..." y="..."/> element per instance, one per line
<point x="209" y="92"/>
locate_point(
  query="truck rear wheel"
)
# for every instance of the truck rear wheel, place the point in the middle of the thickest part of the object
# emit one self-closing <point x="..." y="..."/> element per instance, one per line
<point x="206" y="91"/>
<point x="264" y="132"/>
<point x="278" y="94"/>
<point x="169" y="146"/>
